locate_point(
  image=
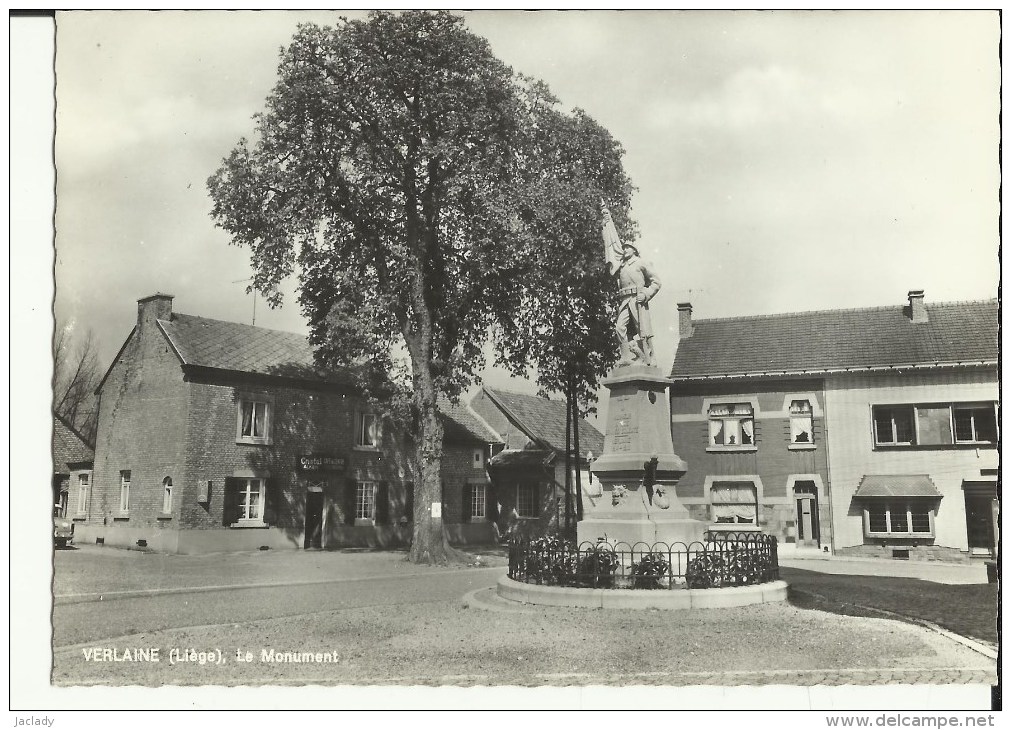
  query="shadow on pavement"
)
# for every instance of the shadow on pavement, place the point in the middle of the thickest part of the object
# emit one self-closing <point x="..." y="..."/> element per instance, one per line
<point x="968" y="610"/>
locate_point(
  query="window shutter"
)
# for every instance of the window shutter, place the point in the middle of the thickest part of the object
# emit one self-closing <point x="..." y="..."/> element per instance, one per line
<point x="409" y="506"/>
<point x="382" y="504"/>
<point x="350" y="490"/>
<point x="269" y="501"/>
<point x="467" y="497"/>
<point x="230" y="508"/>
<point x="538" y="507"/>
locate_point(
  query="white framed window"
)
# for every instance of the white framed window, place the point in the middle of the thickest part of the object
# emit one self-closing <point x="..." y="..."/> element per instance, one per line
<point x="887" y="518"/>
<point x="253" y="421"/>
<point x="526" y="499"/>
<point x="83" y="482"/>
<point x="166" y="498"/>
<point x="477" y="460"/>
<point x="478" y="501"/>
<point x="975" y="423"/>
<point x="124" y="491"/>
<point x="893" y="425"/>
<point x="365" y="501"/>
<point x="731" y="425"/>
<point x="734" y="503"/>
<point x="368" y="433"/>
<point x="801" y="422"/>
<point x="250" y="500"/>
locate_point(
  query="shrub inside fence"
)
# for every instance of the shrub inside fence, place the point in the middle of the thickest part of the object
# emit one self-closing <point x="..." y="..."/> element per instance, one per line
<point x="721" y="560"/>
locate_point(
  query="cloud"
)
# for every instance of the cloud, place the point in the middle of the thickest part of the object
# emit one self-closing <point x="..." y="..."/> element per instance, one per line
<point x="759" y="98"/>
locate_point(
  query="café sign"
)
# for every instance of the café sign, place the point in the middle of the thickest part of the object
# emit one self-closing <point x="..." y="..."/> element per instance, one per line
<point x="317" y="463"/>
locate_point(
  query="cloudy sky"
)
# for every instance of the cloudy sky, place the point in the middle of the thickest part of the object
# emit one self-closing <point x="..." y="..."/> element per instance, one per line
<point x="785" y="161"/>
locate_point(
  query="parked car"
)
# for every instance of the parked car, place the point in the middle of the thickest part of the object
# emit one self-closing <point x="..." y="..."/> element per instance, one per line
<point x="63" y="531"/>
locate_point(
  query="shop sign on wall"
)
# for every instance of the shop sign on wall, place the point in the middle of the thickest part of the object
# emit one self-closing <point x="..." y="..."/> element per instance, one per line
<point x="316" y="463"/>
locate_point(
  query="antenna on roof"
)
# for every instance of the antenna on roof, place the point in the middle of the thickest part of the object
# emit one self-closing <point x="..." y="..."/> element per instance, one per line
<point x="240" y="281"/>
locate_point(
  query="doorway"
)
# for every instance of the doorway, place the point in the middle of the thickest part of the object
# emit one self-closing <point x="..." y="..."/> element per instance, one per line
<point x="806" y="496"/>
<point x="979" y="516"/>
<point x="313" y="518"/>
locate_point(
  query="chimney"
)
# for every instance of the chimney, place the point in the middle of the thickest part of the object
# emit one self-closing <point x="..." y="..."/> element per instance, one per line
<point x="917" y="309"/>
<point x="685" y="326"/>
<point x="156" y="306"/>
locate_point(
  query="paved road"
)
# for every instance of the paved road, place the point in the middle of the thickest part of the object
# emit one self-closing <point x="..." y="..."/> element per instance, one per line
<point x="393" y="622"/>
<point x="88" y="621"/>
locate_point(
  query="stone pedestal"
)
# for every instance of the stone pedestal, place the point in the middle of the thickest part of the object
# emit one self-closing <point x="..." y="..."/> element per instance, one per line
<point x="617" y="506"/>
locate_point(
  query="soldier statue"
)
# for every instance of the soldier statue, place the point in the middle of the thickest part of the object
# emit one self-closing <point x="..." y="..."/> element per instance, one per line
<point x="637" y="285"/>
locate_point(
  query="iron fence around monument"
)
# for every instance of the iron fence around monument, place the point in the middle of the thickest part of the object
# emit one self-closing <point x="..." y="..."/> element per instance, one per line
<point x="722" y="559"/>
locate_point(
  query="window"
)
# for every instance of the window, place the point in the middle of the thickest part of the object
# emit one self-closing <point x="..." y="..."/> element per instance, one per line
<point x="124" y="491"/>
<point x="801" y="430"/>
<point x="166" y="499"/>
<point x="935" y="424"/>
<point x="478" y="461"/>
<point x="912" y="518"/>
<point x="893" y="425"/>
<point x="368" y="433"/>
<point x="250" y="500"/>
<point x="731" y="424"/>
<point x="82" y="493"/>
<point x="526" y="499"/>
<point x="477" y="501"/>
<point x="975" y="424"/>
<point x="734" y="503"/>
<point x="365" y="501"/>
<point x="254" y="422"/>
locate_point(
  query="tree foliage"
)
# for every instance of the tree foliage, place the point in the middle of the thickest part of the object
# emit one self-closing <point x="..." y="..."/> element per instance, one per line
<point x="402" y="171"/>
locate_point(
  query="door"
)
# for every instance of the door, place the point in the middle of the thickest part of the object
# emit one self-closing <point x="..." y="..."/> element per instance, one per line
<point x="806" y="494"/>
<point x="979" y="499"/>
<point x="313" y="519"/>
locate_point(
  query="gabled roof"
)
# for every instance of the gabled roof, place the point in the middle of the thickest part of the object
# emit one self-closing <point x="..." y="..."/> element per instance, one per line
<point x="462" y="425"/>
<point x="543" y="420"/>
<point x="214" y="343"/>
<point x="69" y="447"/>
<point x="956" y="333"/>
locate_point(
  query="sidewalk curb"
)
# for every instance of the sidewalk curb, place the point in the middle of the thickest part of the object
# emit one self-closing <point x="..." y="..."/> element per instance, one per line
<point x="965" y="641"/>
<point x="73" y="598"/>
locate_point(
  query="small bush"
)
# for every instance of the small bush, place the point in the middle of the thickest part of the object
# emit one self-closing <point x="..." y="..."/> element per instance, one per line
<point x="650" y="571"/>
<point x="706" y="571"/>
<point x="596" y="568"/>
<point x="550" y="560"/>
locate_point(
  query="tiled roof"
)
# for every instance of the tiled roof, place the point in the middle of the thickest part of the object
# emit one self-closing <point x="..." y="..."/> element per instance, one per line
<point x="213" y="343"/>
<point x="462" y="425"/>
<point x="544" y="420"/>
<point x="956" y="332"/>
<point x="896" y="485"/>
<point x="69" y="447"/>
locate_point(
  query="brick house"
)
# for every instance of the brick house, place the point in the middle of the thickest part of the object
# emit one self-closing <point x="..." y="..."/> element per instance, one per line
<point x="217" y="436"/>
<point x="528" y="473"/>
<point x="867" y="431"/>
<point x="73" y="461"/>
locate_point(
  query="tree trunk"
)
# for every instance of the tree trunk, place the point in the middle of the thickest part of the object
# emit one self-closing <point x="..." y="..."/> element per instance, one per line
<point x="575" y="438"/>
<point x="429" y="544"/>
<point x="578" y="456"/>
<point x="568" y="463"/>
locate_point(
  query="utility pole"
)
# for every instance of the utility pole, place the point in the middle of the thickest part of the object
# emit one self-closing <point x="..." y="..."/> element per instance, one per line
<point x="241" y="281"/>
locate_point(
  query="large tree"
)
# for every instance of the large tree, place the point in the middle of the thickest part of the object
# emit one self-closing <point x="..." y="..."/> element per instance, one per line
<point x="566" y="326"/>
<point x="76" y="374"/>
<point x="392" y="170"/>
